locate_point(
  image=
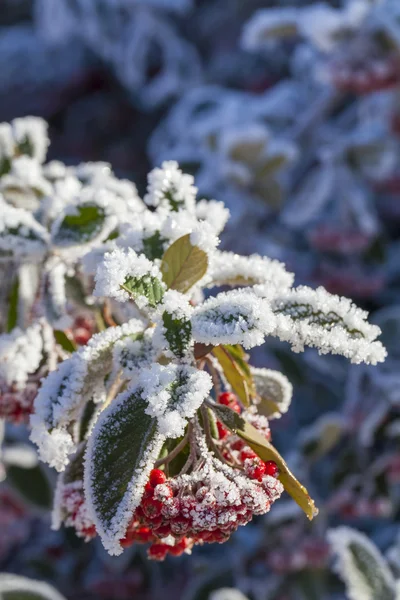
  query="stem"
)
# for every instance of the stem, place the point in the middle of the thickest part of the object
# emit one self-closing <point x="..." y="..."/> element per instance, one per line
<point x="209" y="437"/>
<point x="113" y="389"/>
<point x="167" y="459"/>
<point x="107" y="315"/>
<point x="214" y="376"/>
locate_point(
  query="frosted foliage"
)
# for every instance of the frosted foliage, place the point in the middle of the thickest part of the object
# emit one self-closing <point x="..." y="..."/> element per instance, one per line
<point x="361" y="566"/>
<point x="20" y="234"/>
<point x="21" y="353"/>
<point x="214" y="213"/>
<point x="69" y="388"/>
<point x="331" y="323"/>
<point x="173" y="393"/>
<point x="228" y="268"/>
<point x="117" y="267"/>
<point x="26" y="136"/>
<point x="236" y="317"/>
<point x="274" y="386"/>
<point x="133" y="353"/>
<point x="170" y="188"/>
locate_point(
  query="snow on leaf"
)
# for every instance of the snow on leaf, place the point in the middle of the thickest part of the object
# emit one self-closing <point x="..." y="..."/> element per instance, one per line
<point x="274" y="392"/>
<point x="168" y="187"/>
<point x="361" y="566"/>
<point x="21" y="353"/>
<point x="306" y="317"/>
<point x="21" y="236"/>
<point x="121" y="451"/>
<point x="174" y="330"/>
<point x="234" y="317"/>
<point x="67" y="390"/>
<point x="183" y="265"/>
<point x="79" y="225"/>
<point x="124" y="275"/>
<point x="228" y="268"/>
<point x="174" y="393"/>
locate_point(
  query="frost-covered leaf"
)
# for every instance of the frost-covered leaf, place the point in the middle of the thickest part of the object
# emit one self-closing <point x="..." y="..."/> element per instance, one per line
<point x="266" y="451"/>
<point x="21" y="236"/>
<point x="134" y="352"/>
<point x="228" y="268"/>
<point x="174" y="393"/>
<point x="274" y="392"/>
<point x="127" y="275"/>
<point x="121" y="451"/>
<point x="236" y="371"/>
<point x="66" y="391"/>
<point x="80" y="225"/>
<point x="183" y="265"/>
<point x="306" y="317"/>
<point x="153" y="246"/>
<point x="168" y="187"/>
<point x="15" y="587"/>
<point x="227" y="594"/>
<point x="177" y="333"/>
<point x="21" y="352"/>
<point x="361" y="566"/>
<point x="235" y="317"/>
<point x="55" y="297"/>
<point x="174" y="329"/>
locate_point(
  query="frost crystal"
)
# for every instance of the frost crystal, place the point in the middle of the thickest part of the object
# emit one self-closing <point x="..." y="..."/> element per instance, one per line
<point x="170" y="188"/>
<point x="330" y="323"/>
<point x="236" y="317"/>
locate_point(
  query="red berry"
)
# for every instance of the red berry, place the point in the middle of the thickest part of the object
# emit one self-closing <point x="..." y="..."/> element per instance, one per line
<point x="148" y="490"/>
<point x="227" y="398"/>
<point x="152" y="508"/>
<point x="247" y="453"/>
<point x="222" y="431"/>
<point x="158" y="551"/>
<point x="156" y="477"/>
<point x="271" y="468"/>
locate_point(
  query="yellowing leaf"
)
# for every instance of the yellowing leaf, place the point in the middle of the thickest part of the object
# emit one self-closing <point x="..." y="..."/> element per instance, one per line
<point x="236" y="370"/>
<point x="183" y="265"/>
<point x="266" y="451"/>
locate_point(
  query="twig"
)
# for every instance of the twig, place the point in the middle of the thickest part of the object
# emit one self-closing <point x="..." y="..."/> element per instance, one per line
<point x="167" y="459"/>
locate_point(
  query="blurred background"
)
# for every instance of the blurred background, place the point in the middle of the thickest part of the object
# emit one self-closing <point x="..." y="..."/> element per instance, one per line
<point x="289" y="112"/>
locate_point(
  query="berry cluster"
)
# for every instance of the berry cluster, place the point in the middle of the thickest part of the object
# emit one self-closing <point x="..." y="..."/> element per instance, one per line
<point x="204" y="507"/>
<point x="16" y="405"/>
<point x="74" y="510"/>
<point x="82" y="330"/>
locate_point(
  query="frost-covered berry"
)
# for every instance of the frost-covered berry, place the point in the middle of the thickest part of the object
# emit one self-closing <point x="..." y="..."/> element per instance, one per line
<point x="271" y="468"/>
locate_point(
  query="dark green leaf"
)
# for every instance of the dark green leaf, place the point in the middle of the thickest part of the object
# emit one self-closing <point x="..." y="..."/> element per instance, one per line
<point x="178" y="333"/>
<point x="66" y="342"/>
<point x="81" y="227"/>
<point x="12" y="316"/>
<point x="153" y="246"/>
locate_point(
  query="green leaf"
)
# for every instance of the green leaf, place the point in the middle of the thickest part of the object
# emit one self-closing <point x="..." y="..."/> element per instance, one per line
<point x="32" y="484"/>
<point x="12" y="316"/>
<point x="120" y="455"/>
<point x="15" y="587"/>
<point x="236" y="370"/>
<point x="266" y="451"/>
<point x="148" y="286"/>
<point x="183" y="265"/>
<point x="153" y="246"/>
<point x="81" y="227"/>
<point x="178" y="333"/>
<point x="66" y="342"/>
